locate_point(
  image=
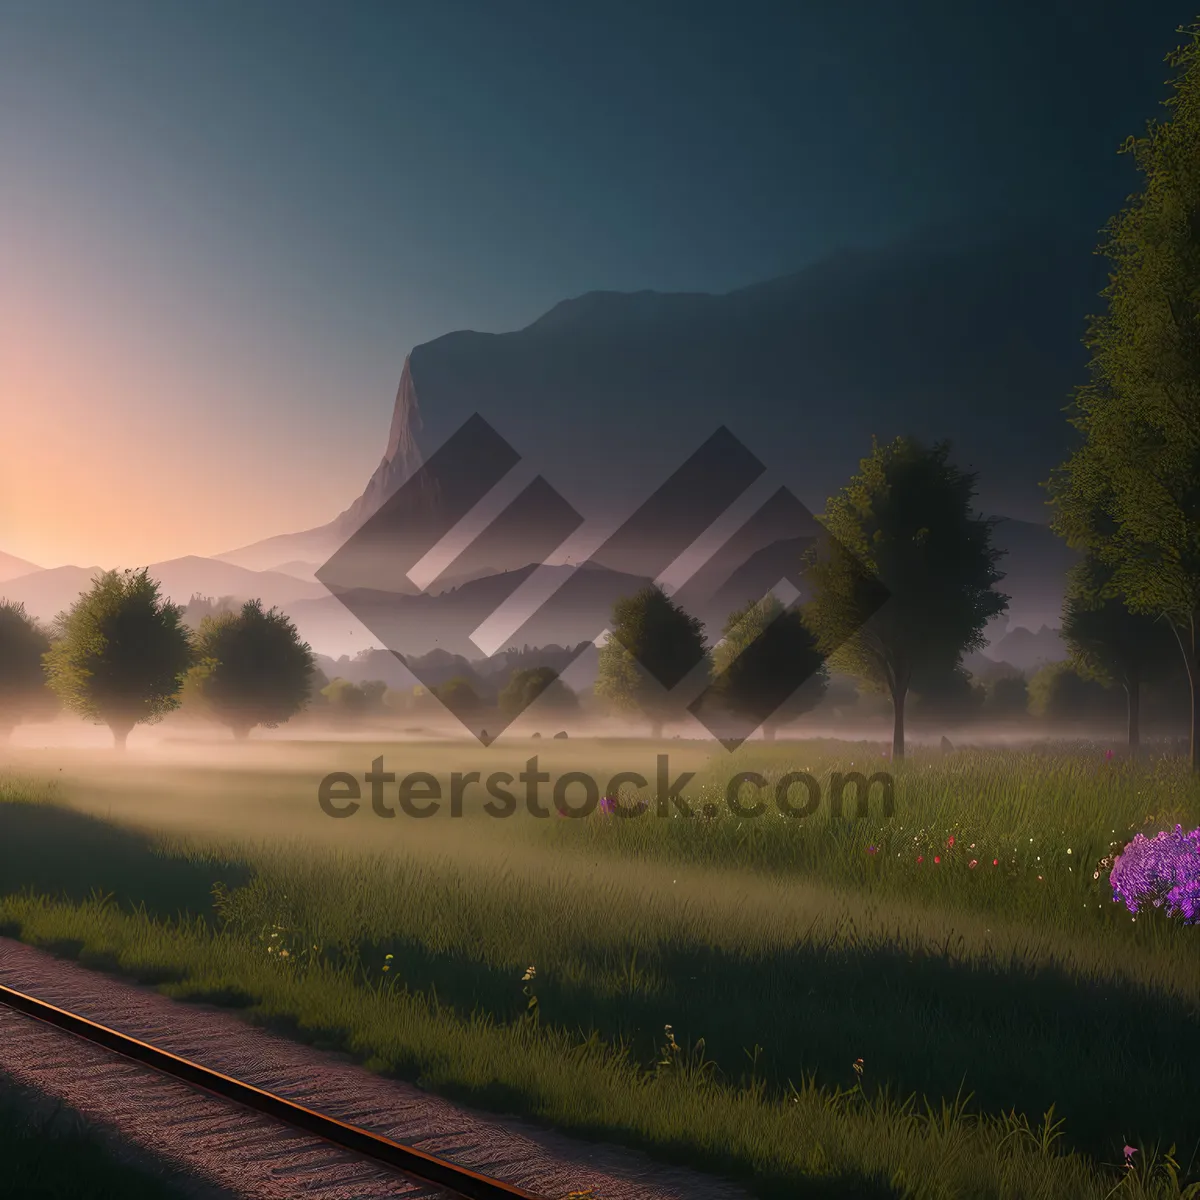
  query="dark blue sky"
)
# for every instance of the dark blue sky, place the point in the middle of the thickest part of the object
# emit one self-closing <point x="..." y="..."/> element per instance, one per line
<point x="283" y="198"/>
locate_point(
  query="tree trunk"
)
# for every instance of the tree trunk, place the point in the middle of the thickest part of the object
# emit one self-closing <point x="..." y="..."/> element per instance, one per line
<point x="898" y="698"/>
<point x="241" y="732"/>
<point x="1186" y="636"/>
<point x="768" y="732"/>
<point x="120" y="735"/>
<point x="1194" y="676"/>
<point x="1133" y="703"/>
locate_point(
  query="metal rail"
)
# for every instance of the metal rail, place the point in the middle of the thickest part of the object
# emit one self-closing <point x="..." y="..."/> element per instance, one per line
<point x="415" y="1163"/>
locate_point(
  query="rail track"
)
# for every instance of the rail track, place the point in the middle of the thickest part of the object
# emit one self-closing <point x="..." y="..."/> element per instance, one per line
<point x="414" y="1163"/>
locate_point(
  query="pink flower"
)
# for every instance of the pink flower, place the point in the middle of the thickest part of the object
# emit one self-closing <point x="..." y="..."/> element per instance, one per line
<point x="973" y="863"/>
<point x="950" y="840"/>
<point x="995" y="862"/>
<point x="1107" y="755"/>
<point x="937" y="858"/>
<point x="920" y="858"/>
<point x="872" y="849"/>
<point x="1130" y="1151"/>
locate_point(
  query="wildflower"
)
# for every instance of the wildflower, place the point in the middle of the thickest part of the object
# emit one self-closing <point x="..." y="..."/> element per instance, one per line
<point x="858" y="1067"/>
<point x="950" y="840"/>
<point x="386" y="957"/>
<point x="920" y="858"/>
<point x="530" y="972"/>
<point x="1130" y="1151"/>
<point x="1107" y="755"/>
<point x="1163" y="870"/>
<point x="872" y="849"/>
<point x="283" y="954"/>
<point x="386" y="967"/>
<point x="995" y="862"/>
<point x="973" y="863"/>
<point x="937" y="858"/>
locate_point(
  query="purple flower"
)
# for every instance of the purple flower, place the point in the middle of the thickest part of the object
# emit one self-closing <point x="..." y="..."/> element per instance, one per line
<point x="608" y="805"/>
<point x="1162" y="871"/>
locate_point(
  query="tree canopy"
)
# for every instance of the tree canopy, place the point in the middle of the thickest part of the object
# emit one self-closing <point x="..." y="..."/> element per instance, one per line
<point x="765" y="649"/>
<point x="1131" y="491"/>
<point x="23" y="690"/>
<point x="1109" y="643"/>
<point x="654" y="643"/>
<point x="906" y="521"/>
<point x="253" y="668"/>
<point x="120" y="653"/>
<point x="536" y="683"/>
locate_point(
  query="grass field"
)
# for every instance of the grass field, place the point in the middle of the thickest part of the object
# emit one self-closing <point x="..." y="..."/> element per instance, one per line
<point x="1013" y="1028"/>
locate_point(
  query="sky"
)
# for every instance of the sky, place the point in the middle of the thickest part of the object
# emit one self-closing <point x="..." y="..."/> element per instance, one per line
<point x="223" y="225"/>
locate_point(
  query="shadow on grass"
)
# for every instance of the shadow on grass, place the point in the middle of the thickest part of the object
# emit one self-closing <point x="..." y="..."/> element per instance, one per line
<point x="1112" y="1057"/>
<point x="59" y="853"/>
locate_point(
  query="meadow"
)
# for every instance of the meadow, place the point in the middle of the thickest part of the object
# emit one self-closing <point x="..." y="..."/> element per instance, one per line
<point x="942" y="1002"/>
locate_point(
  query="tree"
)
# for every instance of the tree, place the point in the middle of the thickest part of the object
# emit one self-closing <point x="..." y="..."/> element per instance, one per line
<point x="905" y="522"/>
<point x="23" y="690"/>
<point x="1109" y="643"/>
<point x="764" y="650"/>
<point x="653" y="644"/>
<point x="120" y="654"/>
<point x="253" y="669"/>
<point x="459" y="696"/>
<point x="1059" y="692"/>
<point x="536" y="683"/>
<point x="344" y="700"/>
<point x="946" y="696"/>
<point x="1131" y="491"/>
<point x="1007" y="696"/>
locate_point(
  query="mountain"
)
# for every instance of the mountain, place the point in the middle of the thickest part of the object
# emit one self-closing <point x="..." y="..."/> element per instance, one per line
<point x="47" y="593"/>
<point x="607" y="393"/>
<point x="12" y="567"/>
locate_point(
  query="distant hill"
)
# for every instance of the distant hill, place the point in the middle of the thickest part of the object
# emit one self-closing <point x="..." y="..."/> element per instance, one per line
<point x="12" y="567"/>
<point x="47" y="593"/>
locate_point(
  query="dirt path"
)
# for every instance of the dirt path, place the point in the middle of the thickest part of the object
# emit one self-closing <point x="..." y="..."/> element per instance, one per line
<point x="253" y="1157"/>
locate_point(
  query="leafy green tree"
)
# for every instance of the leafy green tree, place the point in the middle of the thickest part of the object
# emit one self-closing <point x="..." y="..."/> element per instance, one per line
<point x="764" y="649"/>
<point x="344" y="700"/>
<point x="536" y="683"/>
<point x="23" y="691"/>
<point x="906" y="521"/>
<point x="120" y="654"/>
<point x="946" y="696"/>
<point x="1131" y="492"/>
<point x="1007" y="696"/>
<point x="1110" y="644"/>
<point x="459" y="696"/>
<point x="254" y="669"/>
<point x="648" y="629"/>
<point x="1060" y="692"/>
